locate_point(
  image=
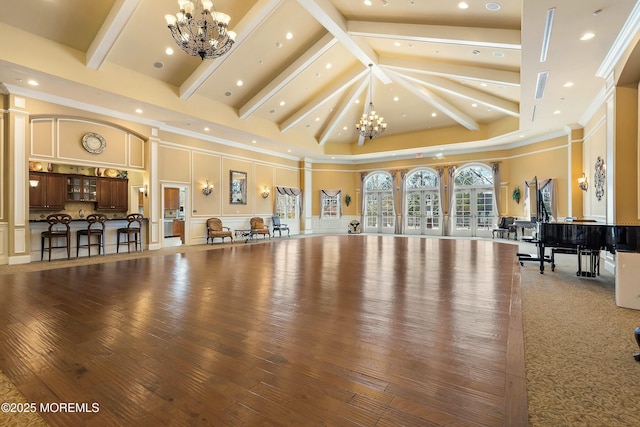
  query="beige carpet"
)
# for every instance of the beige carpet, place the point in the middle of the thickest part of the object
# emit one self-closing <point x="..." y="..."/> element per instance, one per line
<point x="578" y="346"/>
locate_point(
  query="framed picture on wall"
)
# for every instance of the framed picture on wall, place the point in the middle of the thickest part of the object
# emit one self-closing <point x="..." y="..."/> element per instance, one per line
<point x="237" y="188"/>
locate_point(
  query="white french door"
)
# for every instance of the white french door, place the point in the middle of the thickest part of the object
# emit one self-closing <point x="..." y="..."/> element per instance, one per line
<point x="423" y="212"/>
<point x="473" y="212"/>
<point x="379" y="215"/>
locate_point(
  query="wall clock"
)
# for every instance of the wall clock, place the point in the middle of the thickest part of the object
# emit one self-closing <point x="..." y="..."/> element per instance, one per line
<point x="94" y="143"/>
<point x="599" y="178"/>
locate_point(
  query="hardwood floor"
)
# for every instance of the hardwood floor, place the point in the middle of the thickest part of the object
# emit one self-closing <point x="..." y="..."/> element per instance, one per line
<point x="330" y="330"/>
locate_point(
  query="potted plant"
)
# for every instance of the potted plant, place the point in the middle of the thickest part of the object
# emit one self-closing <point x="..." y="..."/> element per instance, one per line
<point x="515" y="195"/>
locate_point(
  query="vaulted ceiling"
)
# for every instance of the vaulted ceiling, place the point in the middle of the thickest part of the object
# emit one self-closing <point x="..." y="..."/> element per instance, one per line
<point x="446" y="79"/>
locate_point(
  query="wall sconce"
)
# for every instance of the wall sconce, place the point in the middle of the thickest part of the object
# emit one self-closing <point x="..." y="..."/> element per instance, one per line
<point x="265" y="192"/>
<point x="582" y="182"/>
<point x="33" y="183"/>
<point x="207" y="188"/>
<point x="144" y="190"/>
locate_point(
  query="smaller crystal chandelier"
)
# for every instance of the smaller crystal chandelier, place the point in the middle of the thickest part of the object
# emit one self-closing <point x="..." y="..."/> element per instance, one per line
<point x="201" y="31"/>
<point x="371" y="125"/>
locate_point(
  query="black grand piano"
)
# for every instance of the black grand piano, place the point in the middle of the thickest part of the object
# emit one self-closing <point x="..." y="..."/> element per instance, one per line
<point x="583" y="238"/>
<point x="586" y="240"/>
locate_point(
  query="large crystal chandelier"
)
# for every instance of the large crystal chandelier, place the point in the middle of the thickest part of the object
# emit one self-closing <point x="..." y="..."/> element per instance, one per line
<point x="371" y="125"/>
<point x="201" y="30"/>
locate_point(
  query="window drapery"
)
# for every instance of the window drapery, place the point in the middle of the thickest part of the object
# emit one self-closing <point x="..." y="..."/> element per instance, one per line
<point x="330" y="204"/>
<point x="290" y="191"/>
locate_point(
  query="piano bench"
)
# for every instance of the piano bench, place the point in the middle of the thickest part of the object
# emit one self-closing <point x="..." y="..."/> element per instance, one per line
<point x="567" y="251"/>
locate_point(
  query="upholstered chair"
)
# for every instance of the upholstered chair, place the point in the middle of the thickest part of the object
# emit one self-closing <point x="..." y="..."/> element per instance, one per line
<point x="258" y="227"/>
<point x="278" y="226"/>
<point x="216" y="230"/>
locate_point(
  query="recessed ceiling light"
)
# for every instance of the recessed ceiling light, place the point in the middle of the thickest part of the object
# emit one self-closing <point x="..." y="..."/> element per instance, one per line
<point x="484" y="84"/>
<point x="357" y="101"/>
<point x="207" y="129"/>
<point x="345" y="128"/>
<point x="397" y="44"/>
<point x="474" y="105"/>
<point x="288" y="151"/>
<point x="434" y="114"/>
<point x="367" y="2"/>
<point x="492" y="6"/>
<point x="556" y="112"/>
<point x="138" y="110"/>
<point x="289" y="35"/>
<point x="282" y="103"/>
<point x="253" y="141"/>
<point x="396" y="99"/>
<point x="568" y="84"/>
<point x="317" y="119"/>
<point x="587" y="36"/>
<point x="328" y="66"/>
<point x="463" y="5"/>
<point x="168" y="51"/>
<point x="239" y="83"/>
<point x="32" y="83"/>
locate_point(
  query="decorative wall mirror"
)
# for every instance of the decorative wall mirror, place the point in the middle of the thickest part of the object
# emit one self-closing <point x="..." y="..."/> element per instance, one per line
<point x="237" y="188"/>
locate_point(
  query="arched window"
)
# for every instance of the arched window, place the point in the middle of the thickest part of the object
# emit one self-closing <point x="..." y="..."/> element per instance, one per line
<point x="473" y="201"/>
<point x="423" y="202"/>
<point x="379" y="214"/>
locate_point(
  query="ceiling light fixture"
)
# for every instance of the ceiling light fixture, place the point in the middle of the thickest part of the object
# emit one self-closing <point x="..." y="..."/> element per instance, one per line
<point x="371" y="125"/>
<point x="546" y="36"/>
<point x="200" y="30"/>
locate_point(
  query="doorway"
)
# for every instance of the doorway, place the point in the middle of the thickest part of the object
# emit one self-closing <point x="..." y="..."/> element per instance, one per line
<point x="473" y="212"/>
<point x="380" y="216"/>
<point x="174" y="215"/>
<point x="423" y="212"/>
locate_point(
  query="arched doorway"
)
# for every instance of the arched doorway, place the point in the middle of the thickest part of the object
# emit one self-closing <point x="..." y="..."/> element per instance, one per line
<point x="379" y="213"/>
<point x="423" y="203"/>
<point x="473" y="201"/>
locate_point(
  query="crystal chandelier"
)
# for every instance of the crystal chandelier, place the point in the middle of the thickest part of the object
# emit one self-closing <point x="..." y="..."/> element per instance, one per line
<point x="371" y="125"/>
<point x="201" y="30"/>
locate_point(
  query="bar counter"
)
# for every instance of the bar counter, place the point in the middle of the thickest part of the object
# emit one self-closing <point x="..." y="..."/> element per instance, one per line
<point x="37" y="226"/>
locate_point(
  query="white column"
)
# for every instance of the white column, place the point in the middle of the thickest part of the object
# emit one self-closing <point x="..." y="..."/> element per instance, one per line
<point x="307" y="194"/>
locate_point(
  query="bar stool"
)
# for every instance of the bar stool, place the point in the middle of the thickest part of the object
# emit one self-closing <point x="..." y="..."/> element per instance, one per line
<point x="95" y="228"/>
<point x="58" y="229"/>
<point x="132" y="232"/>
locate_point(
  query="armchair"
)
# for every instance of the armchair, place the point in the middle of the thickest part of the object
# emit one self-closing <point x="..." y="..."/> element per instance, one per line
<point x="278" y="226"/>
<point x="506" y="224"/>
<point x="216" y="230"/>
<point x="258" y="227"/>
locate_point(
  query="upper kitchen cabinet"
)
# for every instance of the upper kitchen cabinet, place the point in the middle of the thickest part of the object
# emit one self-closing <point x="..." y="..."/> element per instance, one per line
<point x="81" y="188"/>
<point x="50" y="191"/>
<point x="112" y="194"/>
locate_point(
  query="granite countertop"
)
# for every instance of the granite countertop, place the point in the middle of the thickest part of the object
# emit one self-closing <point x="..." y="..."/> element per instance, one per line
<point x="84" y="219"/>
